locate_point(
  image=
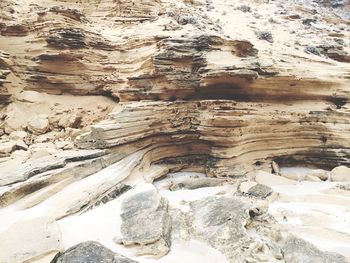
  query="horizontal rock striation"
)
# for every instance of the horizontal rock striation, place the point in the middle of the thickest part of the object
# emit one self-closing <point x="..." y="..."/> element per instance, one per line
<point x="230" y="136"/>
<point x="121" y="121"/>
<point x="67" y="54"/>
<point x="4" y="72"/>
<point x="190" y="91"/>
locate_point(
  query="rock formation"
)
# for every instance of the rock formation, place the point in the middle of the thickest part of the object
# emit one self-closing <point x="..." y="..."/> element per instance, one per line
<point x="90" y="252"/>
<point x="181" y="117"/>
<point x="146" y="223"/>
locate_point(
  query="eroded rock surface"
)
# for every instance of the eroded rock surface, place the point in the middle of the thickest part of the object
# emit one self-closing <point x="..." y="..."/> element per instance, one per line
<point x="297" y="250"/>
<point x="101" y="96"/>
<point x="146" y="223"/>
<point x="260" y="191"/>
<point x="90" y="252"/>
<point x="221" y="223"/>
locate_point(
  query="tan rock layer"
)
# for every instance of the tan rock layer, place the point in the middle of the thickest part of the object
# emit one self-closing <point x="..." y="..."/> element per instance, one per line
<point x="4" y="72"/>
<point x="71" y="56"/>
<point x="217" y="99"/>
<point x="232" y="136"/>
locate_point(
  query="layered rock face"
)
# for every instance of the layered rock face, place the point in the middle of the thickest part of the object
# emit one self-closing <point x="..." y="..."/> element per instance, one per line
<point x="233" y="100"/>
<point x="99" y="97"/>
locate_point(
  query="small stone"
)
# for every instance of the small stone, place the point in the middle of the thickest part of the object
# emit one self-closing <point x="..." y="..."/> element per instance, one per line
<point x="6" y="148"/>
<point x="72" y="133"/>
<point x="43" y="138"/>
<point x="337" y="54"/>
<point x="42" y="149"/>
<point x="275" y="167"/>
<point x="309" y="21"/>
<point x="64" y="145"/>
<point x="72" y="121"/>
<point x="20" y="154"/>
<point x="260" y="191"/>
<point x="339" y="41"/>
<point x="39" y="125"/>
<point x="39" y="154"/>
<point x="313" y="50"/>
<point x="20" y="145"/>
<point x="171" y="26"/>
<point x="293" y="175"/>
<point x="265" y="35"/>
<point x="244" y="8"/>
<point x="340" y="174"/>
<point x="344" y="187"/>
<point x="18" y="135"/>
<point x="322" y="174"/>
<point x="312" y="178"/>
<point x="271" y="179"/>
<point x="30" y="96"/>
<point x="187" y="19"/>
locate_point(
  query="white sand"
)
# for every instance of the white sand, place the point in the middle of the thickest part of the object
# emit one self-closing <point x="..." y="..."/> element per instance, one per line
<point x="311" y="211"/>
<point x="307" y="209"/>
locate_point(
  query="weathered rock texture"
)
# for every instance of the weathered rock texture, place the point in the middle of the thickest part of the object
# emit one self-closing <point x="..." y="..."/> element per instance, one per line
<point x="146" y="223"/>
<point x="297" y="250"/>
<point x="90" y="252"/>
<point x="226" y="99"/>
<point x="221" y="223"/>
<point x="99" y="95"/>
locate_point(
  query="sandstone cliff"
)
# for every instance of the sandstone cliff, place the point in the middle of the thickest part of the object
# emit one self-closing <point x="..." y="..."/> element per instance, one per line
<point x="100" y="96"/>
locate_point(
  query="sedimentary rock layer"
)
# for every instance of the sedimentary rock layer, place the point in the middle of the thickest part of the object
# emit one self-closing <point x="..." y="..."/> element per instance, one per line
<point x="98" y="97"/>
<point x="229" y="136"/>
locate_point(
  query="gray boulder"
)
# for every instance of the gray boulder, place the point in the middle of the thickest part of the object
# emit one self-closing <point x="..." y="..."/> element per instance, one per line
<point x="146" y="223"/>
<point x="221" y="222"/>
<point x="260" y="191"/>
<point x="90" y="252"/>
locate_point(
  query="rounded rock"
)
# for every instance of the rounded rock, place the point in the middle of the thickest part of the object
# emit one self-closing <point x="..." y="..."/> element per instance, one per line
<point x="340" y="174"/>
<point x="39" y="125"/>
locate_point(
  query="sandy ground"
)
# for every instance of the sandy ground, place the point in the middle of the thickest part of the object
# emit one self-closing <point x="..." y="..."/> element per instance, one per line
<point x="313" y="212"/>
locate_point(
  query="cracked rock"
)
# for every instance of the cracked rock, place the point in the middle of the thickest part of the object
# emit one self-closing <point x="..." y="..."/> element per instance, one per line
<point x="146" y="223"/>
